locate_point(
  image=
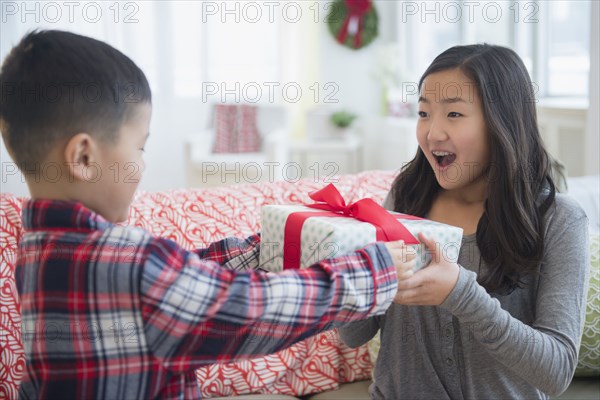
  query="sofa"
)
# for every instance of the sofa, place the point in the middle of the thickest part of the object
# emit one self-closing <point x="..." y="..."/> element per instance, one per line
<point x="194" y="218"/>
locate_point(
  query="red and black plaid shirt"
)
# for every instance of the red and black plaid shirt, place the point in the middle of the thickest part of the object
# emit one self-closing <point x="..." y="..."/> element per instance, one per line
<point x="113" y="312"/>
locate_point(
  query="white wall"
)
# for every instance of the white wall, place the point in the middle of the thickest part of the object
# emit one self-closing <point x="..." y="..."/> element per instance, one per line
<point x="592" y="136"/>
<point x="11" y="180"/>
<point x="352" y="70"/>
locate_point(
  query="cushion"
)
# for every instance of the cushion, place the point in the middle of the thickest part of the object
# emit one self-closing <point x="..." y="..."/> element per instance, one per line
<point x="588" y="363"/>
<point x="12" y="363"/>
<point x="235" y="129"/>
<point x="349" y="391"/>
<point x="258" y="397"/>
<point x="586" y="191"/>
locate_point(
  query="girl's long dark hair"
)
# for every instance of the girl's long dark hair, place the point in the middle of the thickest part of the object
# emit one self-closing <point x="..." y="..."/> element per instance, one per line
<point x="510" y="233"/>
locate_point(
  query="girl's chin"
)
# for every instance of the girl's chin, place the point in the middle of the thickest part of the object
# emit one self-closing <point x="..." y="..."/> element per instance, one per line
<point x="447" y="182"/>
<point x="446" y="185"/>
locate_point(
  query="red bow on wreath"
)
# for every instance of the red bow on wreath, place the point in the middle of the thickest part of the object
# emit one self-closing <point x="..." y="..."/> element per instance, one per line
<point x="353" y="22"/>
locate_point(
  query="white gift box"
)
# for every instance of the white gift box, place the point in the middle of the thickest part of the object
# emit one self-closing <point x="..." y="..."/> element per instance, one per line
<point x="324" y="237"/>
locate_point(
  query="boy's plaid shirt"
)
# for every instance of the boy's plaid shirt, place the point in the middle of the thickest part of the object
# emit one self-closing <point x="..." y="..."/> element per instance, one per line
<point x="113" y="312"/>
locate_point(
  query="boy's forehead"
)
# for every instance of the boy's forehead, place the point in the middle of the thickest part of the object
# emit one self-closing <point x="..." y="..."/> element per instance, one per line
<point x="138" y="119"/>
<point x="139" y="113"/>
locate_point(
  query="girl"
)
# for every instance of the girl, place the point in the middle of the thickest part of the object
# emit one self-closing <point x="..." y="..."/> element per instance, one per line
<point x="506" y="320"/>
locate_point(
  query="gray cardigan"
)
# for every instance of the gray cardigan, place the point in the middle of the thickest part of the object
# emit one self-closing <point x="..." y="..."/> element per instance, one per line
<point x="522" y="345"/>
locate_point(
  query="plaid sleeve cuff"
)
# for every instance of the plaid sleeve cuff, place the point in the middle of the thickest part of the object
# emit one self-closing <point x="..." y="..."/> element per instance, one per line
<point x="246" y="258"/>
<point x="234" y="253"/>
<point x="367" y="284"/>
<point x="384" y="274"/>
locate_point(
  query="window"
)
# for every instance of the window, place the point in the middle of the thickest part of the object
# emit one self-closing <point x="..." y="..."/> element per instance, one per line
<point x="567" y="51"/>
<point x="552" y="37"/>
<point x="243" y="55"/>
<point x="430" y="43"/>
<point x="186" y="20"/>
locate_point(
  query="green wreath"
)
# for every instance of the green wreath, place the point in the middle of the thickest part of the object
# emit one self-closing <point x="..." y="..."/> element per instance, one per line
<point x="345" y="15"/>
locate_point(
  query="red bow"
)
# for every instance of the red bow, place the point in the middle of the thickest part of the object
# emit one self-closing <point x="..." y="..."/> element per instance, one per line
<point x="388" y="228"/>
<point x="356" y="11"/>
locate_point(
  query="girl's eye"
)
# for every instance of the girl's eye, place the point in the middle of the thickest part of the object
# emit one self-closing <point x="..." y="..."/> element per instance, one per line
<point x="422" y="114"/>
<point x="143" y="150"/>
<point x="454" y="114"/>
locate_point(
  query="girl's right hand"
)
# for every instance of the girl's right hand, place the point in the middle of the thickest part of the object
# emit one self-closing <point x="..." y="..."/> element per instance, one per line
<point x="431" y="285"/>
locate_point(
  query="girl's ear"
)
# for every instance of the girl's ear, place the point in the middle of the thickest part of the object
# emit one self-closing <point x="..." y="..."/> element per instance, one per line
<point x="79" y="156"/>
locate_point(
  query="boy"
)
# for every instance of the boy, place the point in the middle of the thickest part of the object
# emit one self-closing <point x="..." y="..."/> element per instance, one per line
<point x="157" y="310"/>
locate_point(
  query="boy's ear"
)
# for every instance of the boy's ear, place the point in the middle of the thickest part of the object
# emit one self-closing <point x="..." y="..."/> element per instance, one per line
<point x="79" y="155"/>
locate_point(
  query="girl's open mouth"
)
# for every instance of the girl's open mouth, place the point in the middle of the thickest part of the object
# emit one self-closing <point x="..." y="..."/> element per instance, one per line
<point x="444" y="158"/>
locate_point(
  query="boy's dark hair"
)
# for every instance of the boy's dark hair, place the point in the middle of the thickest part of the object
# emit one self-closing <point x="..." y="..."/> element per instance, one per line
<point x="510" y="233"/>
<point x="55" y="84"/>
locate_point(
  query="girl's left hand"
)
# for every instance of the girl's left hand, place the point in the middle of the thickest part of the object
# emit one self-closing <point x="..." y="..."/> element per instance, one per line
<point x="431" y="285"/>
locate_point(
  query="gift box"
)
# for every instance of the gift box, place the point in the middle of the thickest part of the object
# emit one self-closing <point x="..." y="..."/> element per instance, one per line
<point x="295" y="236"/>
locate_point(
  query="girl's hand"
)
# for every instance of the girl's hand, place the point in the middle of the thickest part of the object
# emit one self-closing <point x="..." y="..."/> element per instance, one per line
<point x="431" y="285"/>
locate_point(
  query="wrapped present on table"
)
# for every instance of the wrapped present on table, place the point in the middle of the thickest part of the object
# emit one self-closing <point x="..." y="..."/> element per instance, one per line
<point x="295" y="236"/>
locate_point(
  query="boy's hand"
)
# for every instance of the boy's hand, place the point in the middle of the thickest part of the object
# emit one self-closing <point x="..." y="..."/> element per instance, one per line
<point x="431" y="285"/>
<point x="405" y="259"/>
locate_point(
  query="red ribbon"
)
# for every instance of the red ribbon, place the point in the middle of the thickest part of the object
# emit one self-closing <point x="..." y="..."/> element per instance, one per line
<point x="356" y="9"/>
<point x="332" y="204"/>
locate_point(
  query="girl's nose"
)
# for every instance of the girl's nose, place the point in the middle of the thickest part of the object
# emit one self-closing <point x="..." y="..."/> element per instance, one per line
<point x="437" y="131"/>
